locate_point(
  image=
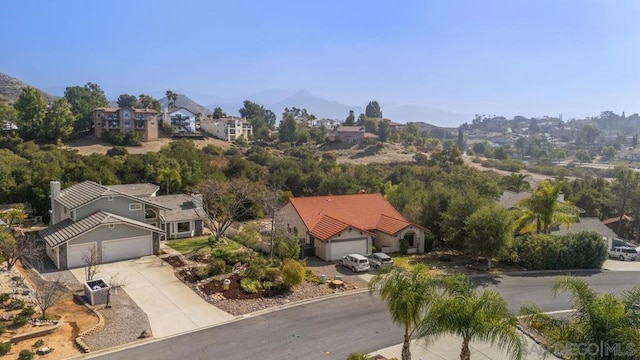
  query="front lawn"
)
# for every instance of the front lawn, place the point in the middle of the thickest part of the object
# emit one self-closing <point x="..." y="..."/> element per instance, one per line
<point x="187" y="246"/>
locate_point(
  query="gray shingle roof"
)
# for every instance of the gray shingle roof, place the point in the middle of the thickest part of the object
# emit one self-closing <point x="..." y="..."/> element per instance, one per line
<point x="144" y="190"/>
<point x="509" y="199"/>
<point x="68" y="229"/>
<point x="586" y="224"/>
<point x="87" y="191"/>
<point x="183" y="207"/>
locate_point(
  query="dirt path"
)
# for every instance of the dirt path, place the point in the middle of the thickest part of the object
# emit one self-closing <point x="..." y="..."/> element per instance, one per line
<point x="534" y="178"/>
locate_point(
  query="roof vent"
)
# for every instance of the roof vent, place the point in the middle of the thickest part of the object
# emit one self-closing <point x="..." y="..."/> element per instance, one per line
<point x="363" y="191"/>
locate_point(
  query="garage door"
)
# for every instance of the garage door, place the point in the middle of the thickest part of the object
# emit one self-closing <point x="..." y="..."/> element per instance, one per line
<point x="342" y="248"/>
<point x="115" y="250"/>
<point x="77" y="254"/>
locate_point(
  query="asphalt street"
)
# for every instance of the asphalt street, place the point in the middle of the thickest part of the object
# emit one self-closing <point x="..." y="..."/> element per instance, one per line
<point x="333" y="328"/>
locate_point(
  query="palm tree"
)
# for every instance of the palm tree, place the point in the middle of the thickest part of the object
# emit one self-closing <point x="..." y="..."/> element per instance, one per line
<point x="171" y="97"/>
<point x="474" y="317"/>
<point x="542" y="210"/>
<point x="409" y="295"/>
<point x="168" y="176"/>
<point x="517" y="182"/>
<point x="605" y="320"/>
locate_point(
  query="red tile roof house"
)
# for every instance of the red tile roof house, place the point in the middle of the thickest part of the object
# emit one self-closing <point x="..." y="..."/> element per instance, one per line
<point x="345" y="224"/>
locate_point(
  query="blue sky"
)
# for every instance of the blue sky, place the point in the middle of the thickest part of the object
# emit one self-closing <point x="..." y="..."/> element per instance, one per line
<point x="538" y="57"/>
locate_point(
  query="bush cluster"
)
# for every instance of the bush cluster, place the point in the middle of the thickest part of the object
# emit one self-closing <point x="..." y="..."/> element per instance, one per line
<point x="250" y="285"/>
<point x="5" y="347"/>
<point x="132" y="138"/>
<point x="584" y="250"/>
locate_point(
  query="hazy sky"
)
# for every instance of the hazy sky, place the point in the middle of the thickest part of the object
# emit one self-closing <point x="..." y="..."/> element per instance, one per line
<point x="537" y="57"/>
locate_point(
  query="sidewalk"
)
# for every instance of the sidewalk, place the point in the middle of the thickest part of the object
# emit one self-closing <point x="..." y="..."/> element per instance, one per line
<point x="448" y="348"/>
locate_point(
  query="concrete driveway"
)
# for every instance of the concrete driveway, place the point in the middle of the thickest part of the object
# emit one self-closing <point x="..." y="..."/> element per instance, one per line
<point x="617" y="265"/>
<point x="172" y="307"/>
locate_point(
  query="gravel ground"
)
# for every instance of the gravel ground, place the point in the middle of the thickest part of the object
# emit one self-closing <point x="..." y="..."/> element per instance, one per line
<point x="124" y="322"/>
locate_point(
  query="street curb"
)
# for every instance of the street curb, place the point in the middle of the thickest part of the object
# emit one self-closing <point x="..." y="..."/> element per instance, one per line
<point x="542" y="272"/>
<point x="236" y="319"/>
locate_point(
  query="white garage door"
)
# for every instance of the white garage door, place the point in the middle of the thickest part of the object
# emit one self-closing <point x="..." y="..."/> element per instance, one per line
<point x="76" y="254"/>
<point x="115" y="250"/>
<point x="342" y="248"/>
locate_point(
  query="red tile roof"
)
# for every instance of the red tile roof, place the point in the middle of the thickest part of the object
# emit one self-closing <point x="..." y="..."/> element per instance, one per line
<point x="326" y="216"/>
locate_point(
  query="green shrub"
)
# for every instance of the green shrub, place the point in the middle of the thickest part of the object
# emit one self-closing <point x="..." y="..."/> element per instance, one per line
<point x="19" y="321"/>
<point x="256" y="268"/>
<point x="117" y="151"/>
<point x="25" y="355"/>
<point x="310" y="276"/>
<point x="584" y="250"/>
<point x="3" y="330"/>
<point x="212" y="150"/>
<point x="38" y="343"/>
<point x="292" y="273"/>
<point x="5" y="347"/>
<point x="216" y="266"/>
<point x="272" y="274"/>
<point x="249" y="285"/>
<point x="28" y="311"/>
<point x="15" y="304"/>
<point x="221" y="253"/>
<point x="4" y="297"/>
<point x="202" y="272"/>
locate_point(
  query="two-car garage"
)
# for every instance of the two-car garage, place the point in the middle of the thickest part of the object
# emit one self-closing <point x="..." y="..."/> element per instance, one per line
<point x="102" y="236"/>
<point x="109" y="250"/>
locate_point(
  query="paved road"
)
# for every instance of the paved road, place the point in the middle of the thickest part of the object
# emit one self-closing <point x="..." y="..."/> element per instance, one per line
<point x="333" y="328"/>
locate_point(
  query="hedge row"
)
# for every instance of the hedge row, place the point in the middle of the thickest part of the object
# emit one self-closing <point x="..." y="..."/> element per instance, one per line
<point x="584" y="250"/>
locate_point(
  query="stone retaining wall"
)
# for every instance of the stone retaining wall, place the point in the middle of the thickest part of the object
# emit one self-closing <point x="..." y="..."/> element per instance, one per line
<point x="37" y="333"/>
<point x="79" y="342"/>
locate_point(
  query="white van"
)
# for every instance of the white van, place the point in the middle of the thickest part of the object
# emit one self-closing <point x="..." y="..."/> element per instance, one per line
<point x="623" y="253"/>
<point x="355" y="262"/>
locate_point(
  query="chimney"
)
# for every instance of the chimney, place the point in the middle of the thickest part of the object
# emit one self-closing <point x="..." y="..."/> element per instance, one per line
<point x="55" y="193"/>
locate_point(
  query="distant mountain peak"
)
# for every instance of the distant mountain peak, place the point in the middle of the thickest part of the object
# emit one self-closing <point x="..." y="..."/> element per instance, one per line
<point x="11" y="88"/>
<point x="185" y="102"/>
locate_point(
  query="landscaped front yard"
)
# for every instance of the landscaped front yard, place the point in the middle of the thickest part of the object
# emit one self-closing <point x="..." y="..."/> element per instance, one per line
<point x="253" y="282"/>
<point x="450" y="261"/>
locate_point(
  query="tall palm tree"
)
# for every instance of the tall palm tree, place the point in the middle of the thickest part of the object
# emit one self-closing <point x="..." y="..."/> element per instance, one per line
<point x="167" y="176"/>
<point x="610" y="322"/>
<point x="409" y="295"/>
<point x="542" y="210"/>
<point x="475" y="317"/>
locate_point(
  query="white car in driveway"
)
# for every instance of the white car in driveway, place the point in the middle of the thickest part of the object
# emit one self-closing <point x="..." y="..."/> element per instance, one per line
<point x="623" y="253"/>
<point x="355" y="262"/>
<point x="378" y="260"/>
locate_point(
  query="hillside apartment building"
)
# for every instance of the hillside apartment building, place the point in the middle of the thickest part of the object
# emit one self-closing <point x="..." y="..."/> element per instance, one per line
<point x="125" y="120"/>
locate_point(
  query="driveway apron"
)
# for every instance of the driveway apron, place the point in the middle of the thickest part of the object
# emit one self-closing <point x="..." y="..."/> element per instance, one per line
<point x="171" y="306"/>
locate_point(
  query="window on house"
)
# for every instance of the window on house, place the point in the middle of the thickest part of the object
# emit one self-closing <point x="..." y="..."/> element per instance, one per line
<point x="112" y="226"/>
<point x="184" y="226"/>
<point x="110" y="198"/>
<point x="135" y="207"/>
<point x="64" y="210"/>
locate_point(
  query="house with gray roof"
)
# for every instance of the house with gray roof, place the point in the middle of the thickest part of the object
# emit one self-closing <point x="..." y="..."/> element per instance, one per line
<point x="591" y="224"/>
<point x="113" y="222"/>
<point x="186" y="215"/>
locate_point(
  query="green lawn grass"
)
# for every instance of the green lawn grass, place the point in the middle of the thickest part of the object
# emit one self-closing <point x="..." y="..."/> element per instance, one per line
<point x="186" y="246"/>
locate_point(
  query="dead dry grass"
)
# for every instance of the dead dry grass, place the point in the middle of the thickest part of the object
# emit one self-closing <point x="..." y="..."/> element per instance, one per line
<point x="90" y="145"/>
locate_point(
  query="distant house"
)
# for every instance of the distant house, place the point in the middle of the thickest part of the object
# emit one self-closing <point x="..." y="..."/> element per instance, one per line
<point x="509" y="199"/>
<point x="626" y="229"/>
<point x="228" y="128"/>
<point x="396" y="126"/>
<point x="182" y="119"/>
<point x="125" y="120"/>
<point x="339" y="225"/>
<point x="351" y="135"/>
<point x="328" y="124"/>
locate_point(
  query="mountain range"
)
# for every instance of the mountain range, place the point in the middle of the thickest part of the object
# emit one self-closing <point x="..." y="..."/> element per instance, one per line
<point x="277" y="100"/>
